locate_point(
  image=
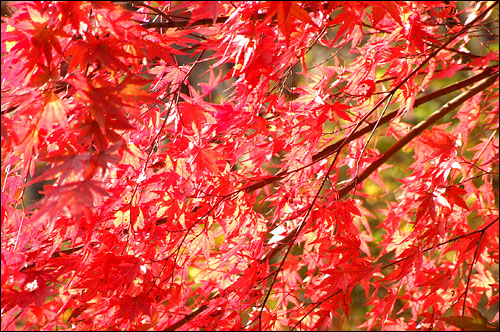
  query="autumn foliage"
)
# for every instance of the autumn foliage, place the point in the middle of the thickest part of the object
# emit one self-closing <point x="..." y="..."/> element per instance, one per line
<point x="234" y="165"/>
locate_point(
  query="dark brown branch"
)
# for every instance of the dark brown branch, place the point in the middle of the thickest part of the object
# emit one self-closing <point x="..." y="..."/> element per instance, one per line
<point x="156" y="10"/>
<point x="56" y="254"/>
<point x="437" y="71"/>
<point x="182" y="23"/>
<point x="419" y="101"/>
<point x="331" y="149"/>
<point x="418" y="129"/>
<point x="448" y="107"/>
<point x="186" y="318"/>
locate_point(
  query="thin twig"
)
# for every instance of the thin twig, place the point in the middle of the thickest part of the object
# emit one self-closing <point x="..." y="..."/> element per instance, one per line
<point x="317" y="304"/>
<point x="445" y="242"/>
<point x="156" y="10"/>
<point x="470" y="271"/>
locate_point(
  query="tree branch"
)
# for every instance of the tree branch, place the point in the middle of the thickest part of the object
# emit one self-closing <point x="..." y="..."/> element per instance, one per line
<point x="482" y="230"/>
<point x="418" y="129"/>
<point x="448" y="107"/>
<point x="331" y="149"/>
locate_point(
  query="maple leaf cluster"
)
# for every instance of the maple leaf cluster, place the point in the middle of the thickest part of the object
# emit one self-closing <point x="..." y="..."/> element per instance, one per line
<point x="214" y="165"/>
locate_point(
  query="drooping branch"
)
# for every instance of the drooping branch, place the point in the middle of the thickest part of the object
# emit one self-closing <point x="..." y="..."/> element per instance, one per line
<point x="329" y="150"/>
<point x="332" y="148"/>
<point x="418" y="129"/>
